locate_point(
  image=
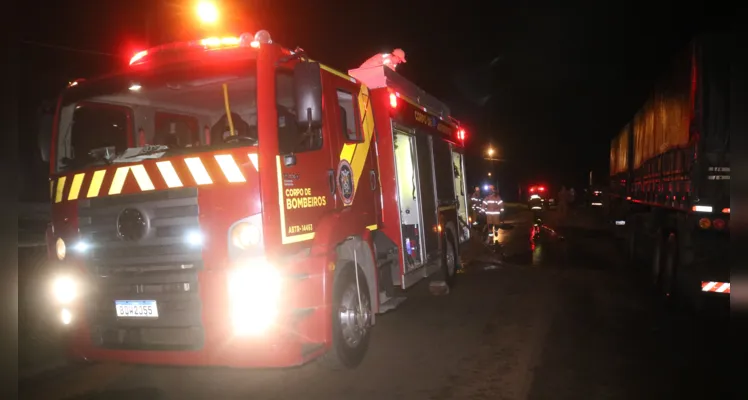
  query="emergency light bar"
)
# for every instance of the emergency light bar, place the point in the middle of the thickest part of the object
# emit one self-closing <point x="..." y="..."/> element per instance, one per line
<point x="211" y="43"/>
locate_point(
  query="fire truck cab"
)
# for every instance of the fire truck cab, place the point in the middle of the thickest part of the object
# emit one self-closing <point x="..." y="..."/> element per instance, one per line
<point x="231" y="202"/>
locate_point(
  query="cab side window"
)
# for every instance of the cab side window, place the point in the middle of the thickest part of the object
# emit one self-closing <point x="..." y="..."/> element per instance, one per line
<point x="348" y="114"/>
<point x="291" y="138"/>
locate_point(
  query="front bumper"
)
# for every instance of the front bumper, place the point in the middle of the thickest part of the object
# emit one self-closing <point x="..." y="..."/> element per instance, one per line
<point x="299" y="335"/>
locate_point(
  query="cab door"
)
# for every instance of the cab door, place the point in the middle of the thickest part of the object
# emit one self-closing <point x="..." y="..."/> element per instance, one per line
<point x="352" y="134"/>
<point x="306" y="189"/>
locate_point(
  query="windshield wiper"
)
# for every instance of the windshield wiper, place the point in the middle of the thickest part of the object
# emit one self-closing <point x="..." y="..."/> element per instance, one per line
<point x="105" y="154"/>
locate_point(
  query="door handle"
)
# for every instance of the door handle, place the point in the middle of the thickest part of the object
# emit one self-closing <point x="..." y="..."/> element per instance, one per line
<point x="331" y="180"/>
<point x="373" y="180"/>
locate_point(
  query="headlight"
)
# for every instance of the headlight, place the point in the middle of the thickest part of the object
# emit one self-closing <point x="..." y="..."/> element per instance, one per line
<point x="254" y="290"/>
<point x="245" y="235"/>
<point x="245" y="238"/>
<point x="194" y="238"/>
<point x="64" y="289"/>
<point x="60" y="249"/>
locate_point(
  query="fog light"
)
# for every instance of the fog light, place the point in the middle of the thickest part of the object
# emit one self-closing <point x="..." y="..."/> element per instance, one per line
<point x="254" y="292"/>
<point x="66" y="316"/>
<point x="64" y="289"/>
<point x="60" y="249"/>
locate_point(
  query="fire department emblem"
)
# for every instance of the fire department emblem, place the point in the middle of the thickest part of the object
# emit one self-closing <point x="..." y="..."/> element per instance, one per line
<point x="345" y="182"/>
<point x="131" y="225"/>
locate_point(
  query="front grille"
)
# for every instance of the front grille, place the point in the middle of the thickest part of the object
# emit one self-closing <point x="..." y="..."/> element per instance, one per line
<point x="160" y="266"/>
<point x="170" y="215"/>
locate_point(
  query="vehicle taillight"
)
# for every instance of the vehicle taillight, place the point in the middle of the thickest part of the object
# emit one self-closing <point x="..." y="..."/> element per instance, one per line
<point x="719" y="224"/>
<point x="705" y="223"/>
<point x="461" y="135"/>
<point x="532" y="189"/>
<point x="541" y="189"/>
<point x="139" y="55"/>
<point x="726" y="210"/>
<point x="393" y="100"/>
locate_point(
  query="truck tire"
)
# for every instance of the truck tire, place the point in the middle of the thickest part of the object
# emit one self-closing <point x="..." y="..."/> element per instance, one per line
<point x="676" y="298"/>
<point x="657" y="262"/>
<point x="351" y="331"/>
<point x="450" y="260"/>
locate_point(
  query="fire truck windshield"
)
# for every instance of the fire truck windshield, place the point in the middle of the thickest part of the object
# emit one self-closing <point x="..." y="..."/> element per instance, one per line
<point x="183" y="109"/>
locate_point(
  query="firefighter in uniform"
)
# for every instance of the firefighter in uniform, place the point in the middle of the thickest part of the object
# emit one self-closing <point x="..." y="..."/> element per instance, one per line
<point x="476" y="204"/>
<point x="493" y="205"/>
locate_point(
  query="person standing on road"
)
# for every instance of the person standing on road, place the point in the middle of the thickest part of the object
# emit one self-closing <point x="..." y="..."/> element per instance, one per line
<point x="476" y="204"/>
<point x="493" y="206"/>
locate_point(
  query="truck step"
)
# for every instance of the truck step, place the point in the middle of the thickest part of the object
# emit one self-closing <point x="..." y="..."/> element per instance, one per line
<point x="390" y="303"/>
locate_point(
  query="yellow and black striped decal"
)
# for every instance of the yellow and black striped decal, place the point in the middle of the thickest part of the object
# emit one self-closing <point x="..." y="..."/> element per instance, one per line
<point x="69" y="187"/>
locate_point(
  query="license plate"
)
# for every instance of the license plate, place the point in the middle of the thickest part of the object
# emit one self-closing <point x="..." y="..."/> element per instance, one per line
<point x="136" y="308"/>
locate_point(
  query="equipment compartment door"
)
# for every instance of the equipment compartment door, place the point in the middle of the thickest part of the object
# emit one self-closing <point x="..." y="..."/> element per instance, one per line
<point x="460" y="191"/>
<point x="409" y="199"/>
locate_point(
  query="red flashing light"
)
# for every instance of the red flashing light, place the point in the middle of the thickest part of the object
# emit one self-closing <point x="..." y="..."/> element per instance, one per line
<point x="461" y="134"/>
<point x="532" y="189"/>
<point x="393" y="100"/>
<point x="541" y="189"/>
<point x="138" y="56"/>
<point x="221" y="42"/>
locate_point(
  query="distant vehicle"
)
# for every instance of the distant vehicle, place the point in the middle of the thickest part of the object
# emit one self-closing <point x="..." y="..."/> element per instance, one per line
<point x="670" y="173"/>
<point x="538" y="198"/>
<point x="594" y="197"/>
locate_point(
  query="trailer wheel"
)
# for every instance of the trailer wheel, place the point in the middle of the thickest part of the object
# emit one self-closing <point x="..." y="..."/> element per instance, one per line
<point x="657" y="261"/>
<point x="632" y="240"/>
<point x="351" y="325"/>
<point x="676" y="298"/>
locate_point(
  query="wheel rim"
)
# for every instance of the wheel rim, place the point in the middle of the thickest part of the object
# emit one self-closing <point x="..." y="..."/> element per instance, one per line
<point x="354" y="324"/>
<point x="451" y="259"/>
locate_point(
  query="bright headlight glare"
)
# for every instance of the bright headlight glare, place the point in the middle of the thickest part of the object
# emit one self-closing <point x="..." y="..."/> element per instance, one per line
<point x="64" y="289"/>
<point x="254" y="291"/>
<point x="60" y="249"/>
<point x="245" y="235"/>
<point x="194" y="238"/>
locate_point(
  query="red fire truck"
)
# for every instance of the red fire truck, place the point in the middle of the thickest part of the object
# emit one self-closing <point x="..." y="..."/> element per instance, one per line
<point x="231" y="202"/>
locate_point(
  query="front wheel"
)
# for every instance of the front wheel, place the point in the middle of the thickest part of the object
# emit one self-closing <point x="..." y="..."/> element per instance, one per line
<point x="351" y="320"/>
<point x="450" y="260"/>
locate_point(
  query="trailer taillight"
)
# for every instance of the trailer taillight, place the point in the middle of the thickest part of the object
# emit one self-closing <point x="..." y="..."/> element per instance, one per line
<point x="705" y="223"/>
<point x="719" y="224"/>
<point x="726" y="210"/>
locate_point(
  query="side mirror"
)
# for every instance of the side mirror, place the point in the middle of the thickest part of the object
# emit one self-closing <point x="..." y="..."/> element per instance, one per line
<point x="289" y="160"/>
<point x="308" y="94"/>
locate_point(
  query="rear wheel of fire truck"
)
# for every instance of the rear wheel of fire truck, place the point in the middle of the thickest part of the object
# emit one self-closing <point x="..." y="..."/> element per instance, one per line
<point x="351" y="324"/>
<point x="450" y="259"/>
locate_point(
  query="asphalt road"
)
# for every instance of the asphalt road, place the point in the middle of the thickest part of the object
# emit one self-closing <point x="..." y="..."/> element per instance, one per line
<point x="563" y="318"/>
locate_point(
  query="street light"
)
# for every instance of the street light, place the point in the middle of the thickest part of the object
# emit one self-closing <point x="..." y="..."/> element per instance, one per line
<point x="207" y="12"/>
<point x="489" y="174"/>
<point x="490" y="151"/>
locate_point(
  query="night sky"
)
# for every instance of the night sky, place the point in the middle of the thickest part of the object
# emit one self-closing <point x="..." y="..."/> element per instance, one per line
<point x="548" y="86"/>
